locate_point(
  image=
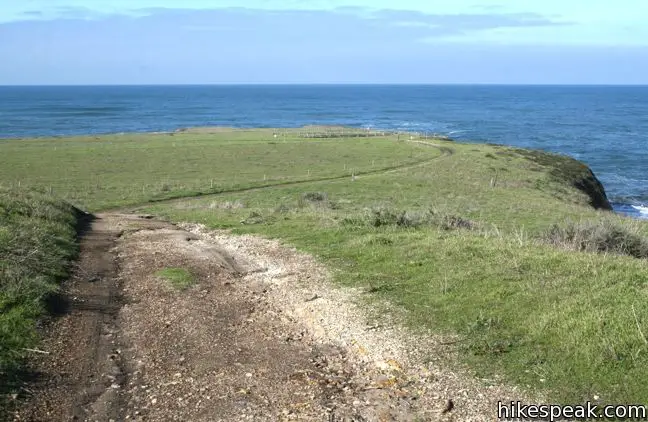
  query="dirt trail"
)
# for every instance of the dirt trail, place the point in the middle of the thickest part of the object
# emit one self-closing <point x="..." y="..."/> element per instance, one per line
<point x="261" y="336"/>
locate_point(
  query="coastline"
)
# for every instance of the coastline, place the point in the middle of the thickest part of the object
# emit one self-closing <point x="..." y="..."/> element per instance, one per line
<point x="638" y="211"/>
<point x="579" y="122"/>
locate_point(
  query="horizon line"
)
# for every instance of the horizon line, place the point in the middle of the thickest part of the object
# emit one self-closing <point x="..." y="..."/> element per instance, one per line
<point x="322" y="84"/>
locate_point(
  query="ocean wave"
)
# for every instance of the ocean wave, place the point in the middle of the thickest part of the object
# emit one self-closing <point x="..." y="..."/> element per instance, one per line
<point x="643" y="210"/>
<point x="420" y="127"/>
<point x="632" y="210"/>
<point x="428" y="126"/>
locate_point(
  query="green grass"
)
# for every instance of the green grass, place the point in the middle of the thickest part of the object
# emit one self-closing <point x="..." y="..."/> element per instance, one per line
<point x="37" y="244"/>
<point x="108" y="171"/>
<point x="178" y="278"/>
<point x="485" y="183"/>
<point x="542" y="316"/>
<point x="470" y="240"/>
<point x="547" y="317"/>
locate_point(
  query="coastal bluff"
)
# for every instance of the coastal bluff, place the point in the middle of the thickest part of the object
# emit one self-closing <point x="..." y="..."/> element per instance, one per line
<point x="568" y="171"/>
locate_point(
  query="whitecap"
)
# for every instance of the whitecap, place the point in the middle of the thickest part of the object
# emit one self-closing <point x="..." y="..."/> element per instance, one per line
<point x="643" y="210"/>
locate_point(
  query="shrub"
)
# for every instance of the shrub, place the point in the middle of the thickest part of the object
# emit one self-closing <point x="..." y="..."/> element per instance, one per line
<point x="382" y="217"/>
<point x="379" y="217"/>
<point x="282" y="209"/>
<point x="254" y="218"/>
<point x="317" y="199"/>
<point x="598" y="236"/>
<point x="315" y="196"/>
<point x="451" y="222"/>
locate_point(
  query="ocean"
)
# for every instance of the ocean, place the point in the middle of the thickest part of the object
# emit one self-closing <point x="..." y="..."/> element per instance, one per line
<point x="604" y="126"/>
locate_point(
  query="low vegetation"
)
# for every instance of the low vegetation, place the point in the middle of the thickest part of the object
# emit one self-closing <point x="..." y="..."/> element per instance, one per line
<point x="469" y="240"/>
<point x="37" y="245"/>
<point x="96" y="173"/>
<point x="178" y="278"/>
<point x="380" y="217"/>
<point x="603" y="236"/>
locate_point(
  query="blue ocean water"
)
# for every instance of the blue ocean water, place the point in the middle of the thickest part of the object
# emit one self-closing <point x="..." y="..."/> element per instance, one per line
<point x="604" y="126"/>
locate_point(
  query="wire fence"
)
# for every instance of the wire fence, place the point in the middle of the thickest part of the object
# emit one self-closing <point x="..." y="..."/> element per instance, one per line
<point x="324" y="132"/>
<point x="368" y="133"/>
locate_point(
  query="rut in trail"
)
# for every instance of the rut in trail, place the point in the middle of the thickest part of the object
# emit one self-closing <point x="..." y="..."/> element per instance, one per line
<point x="260" y="336"/>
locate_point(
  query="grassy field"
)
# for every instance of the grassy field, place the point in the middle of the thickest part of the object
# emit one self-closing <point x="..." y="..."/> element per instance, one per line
<point x="37" y="244"/>
<point x="472" y="241"/>
<point x="100" y="172"/>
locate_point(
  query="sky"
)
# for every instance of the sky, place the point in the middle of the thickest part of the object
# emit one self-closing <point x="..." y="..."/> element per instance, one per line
<point x="88" y="42"/>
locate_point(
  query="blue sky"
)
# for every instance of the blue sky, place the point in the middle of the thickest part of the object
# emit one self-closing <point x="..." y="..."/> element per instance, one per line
<point x="323" y="41"/>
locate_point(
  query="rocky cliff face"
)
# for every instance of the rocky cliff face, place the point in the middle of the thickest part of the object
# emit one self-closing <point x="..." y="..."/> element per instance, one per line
<point x="591" y="186"/>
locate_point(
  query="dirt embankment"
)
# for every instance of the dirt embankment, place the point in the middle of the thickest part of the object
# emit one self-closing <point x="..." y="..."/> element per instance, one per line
<point x="261" y="336"/>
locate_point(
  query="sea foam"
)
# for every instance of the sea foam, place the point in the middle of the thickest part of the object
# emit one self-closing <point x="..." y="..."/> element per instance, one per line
<point x="643" y="210"/>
